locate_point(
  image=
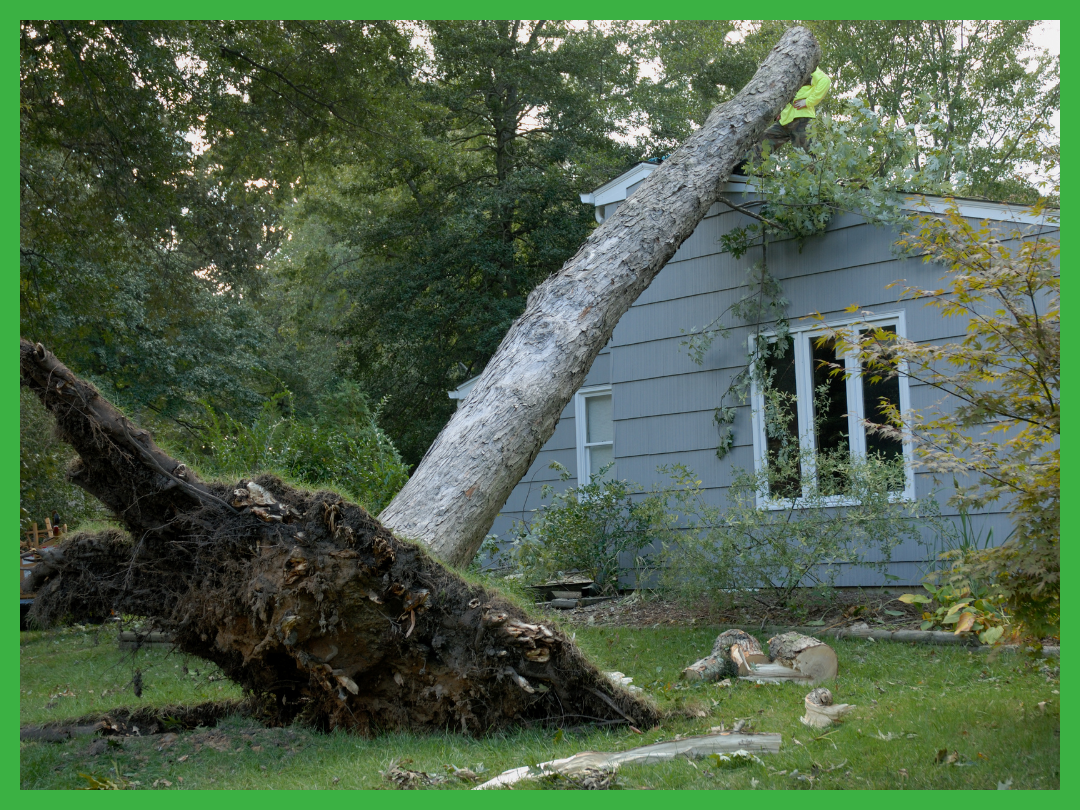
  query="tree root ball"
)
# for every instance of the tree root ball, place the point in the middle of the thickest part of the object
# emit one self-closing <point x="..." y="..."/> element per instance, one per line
<point x="302" y="598"/>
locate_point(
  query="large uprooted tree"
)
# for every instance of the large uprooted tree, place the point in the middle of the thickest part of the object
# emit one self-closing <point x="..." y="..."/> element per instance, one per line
<point x="307" y="601"/>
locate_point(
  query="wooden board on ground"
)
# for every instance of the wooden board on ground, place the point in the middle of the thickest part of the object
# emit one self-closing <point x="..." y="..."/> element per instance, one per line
<point x="725" y="742"/>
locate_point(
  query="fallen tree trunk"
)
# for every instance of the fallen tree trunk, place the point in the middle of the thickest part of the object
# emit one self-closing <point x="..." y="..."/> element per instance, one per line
<point x="454" y="495"/>
<point x="301" y="598"/>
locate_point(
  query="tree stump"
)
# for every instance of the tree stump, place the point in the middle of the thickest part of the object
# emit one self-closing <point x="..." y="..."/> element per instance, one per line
<point x="821" y="712"/>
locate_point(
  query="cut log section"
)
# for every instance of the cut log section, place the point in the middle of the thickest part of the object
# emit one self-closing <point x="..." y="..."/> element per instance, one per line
<point x="821" y="712"/>
<point x="814" y="659"/>
<point x="726" y="742"/>
<point x="733" y="653"/>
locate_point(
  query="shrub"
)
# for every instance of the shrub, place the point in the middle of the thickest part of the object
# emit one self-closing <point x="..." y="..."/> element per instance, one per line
<point x="342" y="447"/>
<point x="791" y="524"/>
<point x="588" y="529"/>
<point x="999" y="439"/>
<point x="43" y="460"/>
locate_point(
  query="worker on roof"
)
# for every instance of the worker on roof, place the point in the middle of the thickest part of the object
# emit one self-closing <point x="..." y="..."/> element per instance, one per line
<point x="791" y="123"/>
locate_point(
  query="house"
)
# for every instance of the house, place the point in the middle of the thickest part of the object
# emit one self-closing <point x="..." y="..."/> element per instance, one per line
<point x="647" y="403"/>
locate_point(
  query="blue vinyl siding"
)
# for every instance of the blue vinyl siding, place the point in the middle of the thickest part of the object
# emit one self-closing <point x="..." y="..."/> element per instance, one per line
<point x="663" y="402"/>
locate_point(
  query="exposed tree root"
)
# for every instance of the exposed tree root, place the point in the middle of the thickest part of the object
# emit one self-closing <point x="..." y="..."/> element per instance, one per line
<point x="302" y="598"/>
<point x="124" y="722"/>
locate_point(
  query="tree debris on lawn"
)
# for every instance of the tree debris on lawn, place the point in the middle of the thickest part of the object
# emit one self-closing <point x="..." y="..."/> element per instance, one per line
<point x="722" y="662"/>
<point x="303" y="599"/>
<point x="821" y="712"/>
<point x="741" y="743"/>
<point x="624" y="681"/>
<point x="792" y="657"/>
<point x="405" y="779"/>
<point x="810" y="657"/>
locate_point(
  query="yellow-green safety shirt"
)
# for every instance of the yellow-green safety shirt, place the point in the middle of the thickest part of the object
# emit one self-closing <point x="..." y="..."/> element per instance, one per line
<point x="814" y="93"/>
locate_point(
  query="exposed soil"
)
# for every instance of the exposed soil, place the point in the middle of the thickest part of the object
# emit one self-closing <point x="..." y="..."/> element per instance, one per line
<point x="141" y="722"/>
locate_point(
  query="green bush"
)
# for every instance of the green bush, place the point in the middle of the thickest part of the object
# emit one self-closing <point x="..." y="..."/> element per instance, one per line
<point x="43" y="459"/>
<point x="342" y="447"/>
<point x="588" y="528"/>
<point x="784" y="527"/>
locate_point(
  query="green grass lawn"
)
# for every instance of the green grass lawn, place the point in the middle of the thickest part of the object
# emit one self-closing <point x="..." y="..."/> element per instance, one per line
<point x="998" y="713"/>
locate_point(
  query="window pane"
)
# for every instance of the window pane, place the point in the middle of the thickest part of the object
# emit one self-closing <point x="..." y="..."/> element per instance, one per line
<point x="830" y="415"/>
<point x="598" y="419"/>
<point x="874" y="394"/>
<point x="782" y="436"/>
<point x="830" y="400"/>
<point x="599" y="457"/>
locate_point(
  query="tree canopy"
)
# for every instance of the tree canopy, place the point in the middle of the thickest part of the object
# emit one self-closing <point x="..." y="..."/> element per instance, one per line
<point x="218" y="212"/>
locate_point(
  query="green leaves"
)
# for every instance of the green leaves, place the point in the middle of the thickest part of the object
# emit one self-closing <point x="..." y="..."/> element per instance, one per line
<point x="915" y="599"/>
<point x="961" y="611"/>
<point x="588" y="529"/>
<point x="1003" y="380"/>
<point x="341" y="447"/>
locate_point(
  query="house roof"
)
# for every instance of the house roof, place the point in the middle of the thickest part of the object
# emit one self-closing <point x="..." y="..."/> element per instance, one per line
<point x="621" y="187"/>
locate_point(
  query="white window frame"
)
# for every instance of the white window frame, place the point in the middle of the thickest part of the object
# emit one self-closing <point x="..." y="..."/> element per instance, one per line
<point x="580" y="416"/>
<point x="804" y="382"/>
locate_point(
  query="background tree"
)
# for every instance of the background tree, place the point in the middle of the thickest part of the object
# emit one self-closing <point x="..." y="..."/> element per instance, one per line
<point x="154" y="158"/>
<point x="136" y="251"/>
<point x="987" y="92"/>
<point x="437" y="251"/>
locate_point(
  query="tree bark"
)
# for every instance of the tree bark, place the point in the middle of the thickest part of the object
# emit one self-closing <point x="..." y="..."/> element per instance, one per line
<point x="815" y="659"/>
<point x="303" y="599"/>
<point x="721" y="662"/>
<point x="466" y="476"/>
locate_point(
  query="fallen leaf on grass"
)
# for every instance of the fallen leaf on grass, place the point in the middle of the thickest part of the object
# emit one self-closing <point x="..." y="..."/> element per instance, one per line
<point x="740" y="757"/>
<point x="464" y="774"/>
<point x="945" y="758"/>
<point x="410" y="780"/>
<point x="1006" y="785"/>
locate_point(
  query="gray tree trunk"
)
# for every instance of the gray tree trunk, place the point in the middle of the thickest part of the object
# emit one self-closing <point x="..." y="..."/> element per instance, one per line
<point x="487" y="446"/>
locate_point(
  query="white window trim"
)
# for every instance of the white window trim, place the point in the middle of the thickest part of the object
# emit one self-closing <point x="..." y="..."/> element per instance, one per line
<point x="584" y="473"/>
<point x="805" y="416"/>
